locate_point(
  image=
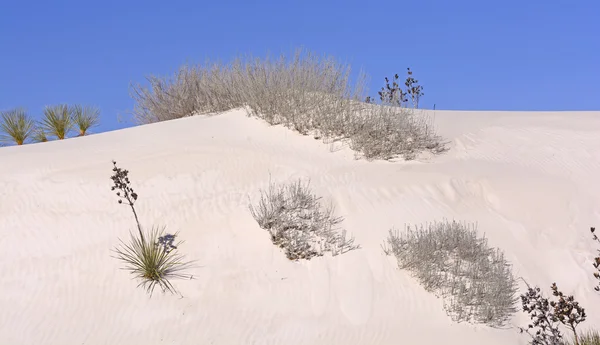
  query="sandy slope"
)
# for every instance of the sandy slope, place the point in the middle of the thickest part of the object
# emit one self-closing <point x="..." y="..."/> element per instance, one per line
<point x="529" y="179"/>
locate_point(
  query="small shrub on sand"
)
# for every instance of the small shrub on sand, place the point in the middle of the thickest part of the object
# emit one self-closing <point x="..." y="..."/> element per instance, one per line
<point x="449" y="259"/>
<point x="16" y="125"/>
<point x="151" y="256"/>
<point x="298" y="223"/>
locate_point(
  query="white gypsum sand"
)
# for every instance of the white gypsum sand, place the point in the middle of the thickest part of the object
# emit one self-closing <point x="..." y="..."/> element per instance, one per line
<point x="529" y="180"/>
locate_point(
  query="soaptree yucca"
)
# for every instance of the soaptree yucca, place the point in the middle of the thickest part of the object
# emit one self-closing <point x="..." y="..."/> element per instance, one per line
<point x="57" y="120"/>
<point x="85" y="117"/>
<point x="16" y="126"/>
<point x="150" y="256"/>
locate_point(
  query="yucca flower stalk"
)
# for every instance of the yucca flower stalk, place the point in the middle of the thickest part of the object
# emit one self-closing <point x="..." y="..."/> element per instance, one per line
<point x="57" y="120"/>
<point x="16" y="125"/>
<point x="85" y="118"/>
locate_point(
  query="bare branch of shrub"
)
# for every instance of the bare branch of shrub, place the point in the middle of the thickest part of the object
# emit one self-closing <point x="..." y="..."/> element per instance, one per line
<point x="298" y="223"/>
<point x="449" y="259"/>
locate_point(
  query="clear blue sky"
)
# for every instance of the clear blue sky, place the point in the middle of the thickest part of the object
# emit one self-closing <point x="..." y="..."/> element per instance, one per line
<point x="468" y="54"/>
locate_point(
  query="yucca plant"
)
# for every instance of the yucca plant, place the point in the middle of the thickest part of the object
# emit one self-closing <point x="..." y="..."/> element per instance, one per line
<point x="151" y="257"/>
<point x="16" y="125"/>
<point x="85" y="117"/>
<point x="57" y="120"/>
<point x="39" y="134"/>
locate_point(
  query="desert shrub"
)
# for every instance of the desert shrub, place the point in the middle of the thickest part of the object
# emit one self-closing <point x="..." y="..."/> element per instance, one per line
<point x="307" y="93"/>
<point x="449" y="259"/>
<point x="298" y="223"/>
<point x="150" y="256"/>
<point x="16" y="126"/>
<point x="547" y="316"/>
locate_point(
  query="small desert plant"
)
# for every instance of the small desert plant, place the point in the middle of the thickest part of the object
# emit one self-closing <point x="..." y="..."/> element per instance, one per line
<point x="39" y="134"/>
<point x="449" y="259"/>
<point x="57" y="120"/>
<point x="596" y="262"/>
<point x="17" y="126"/>
<point x="152" y="256"/>
<point x="547" y="315"/>
<point x="298" y="223"/>
<point x="393" y="94"/>
<point x="85" y="117"/>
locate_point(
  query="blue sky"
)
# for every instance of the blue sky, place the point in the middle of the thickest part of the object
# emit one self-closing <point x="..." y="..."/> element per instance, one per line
<point x="468" y="55"/>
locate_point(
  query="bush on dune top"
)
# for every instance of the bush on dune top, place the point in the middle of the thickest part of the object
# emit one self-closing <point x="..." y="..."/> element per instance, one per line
<point x="310" y="94"/>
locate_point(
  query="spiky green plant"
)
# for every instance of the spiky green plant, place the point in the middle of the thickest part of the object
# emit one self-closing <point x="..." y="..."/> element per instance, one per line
<point x="150" y="256"/>
<point x="16" y="125"/>
<point x="152" y="259"/>
<point x="57" y="120"/>
<point x="39" y="134"/>
<point x="85" y="117"/>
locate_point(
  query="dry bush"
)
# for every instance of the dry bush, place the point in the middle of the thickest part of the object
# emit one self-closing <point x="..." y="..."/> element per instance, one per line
<point x="298" y="223"/>
<point x="386" y="132"/>
<point x="449" y="259"/>
<point x="307" y="93"/>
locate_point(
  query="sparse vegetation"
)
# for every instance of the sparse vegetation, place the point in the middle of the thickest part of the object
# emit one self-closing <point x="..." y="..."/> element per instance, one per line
<point x="151" y="256"/>
<point x="449" y="259"/>
<point x="309" y="94"/>
<point x="17" y="126"/>
<point x="297" y="222"/>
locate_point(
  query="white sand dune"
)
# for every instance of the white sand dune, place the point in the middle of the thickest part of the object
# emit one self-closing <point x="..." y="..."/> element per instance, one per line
<point x="530" y="180"/>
